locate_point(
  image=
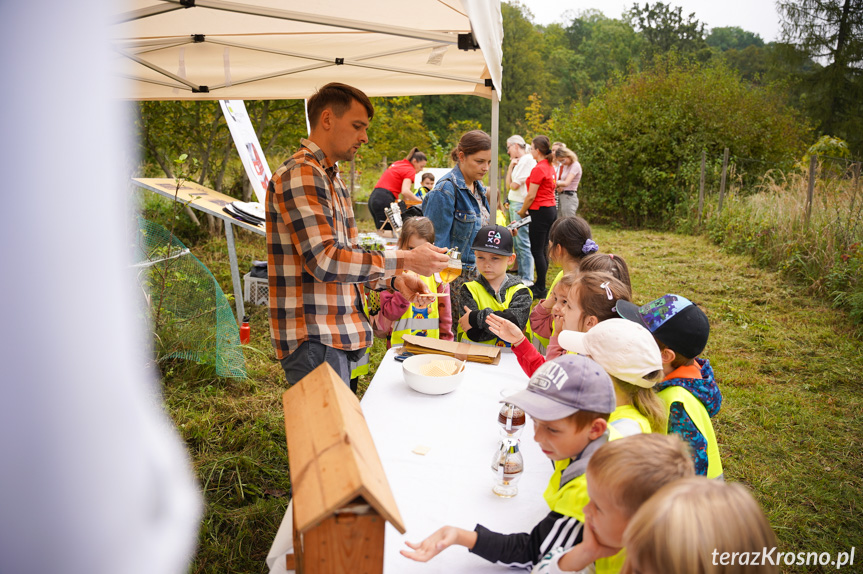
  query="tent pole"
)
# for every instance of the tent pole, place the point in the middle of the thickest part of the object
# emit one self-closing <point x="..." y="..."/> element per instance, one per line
<point x="494" y="171"/>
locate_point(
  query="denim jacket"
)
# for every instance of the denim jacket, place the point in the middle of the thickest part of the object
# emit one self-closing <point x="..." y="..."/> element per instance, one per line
<point x="455" y="214"/>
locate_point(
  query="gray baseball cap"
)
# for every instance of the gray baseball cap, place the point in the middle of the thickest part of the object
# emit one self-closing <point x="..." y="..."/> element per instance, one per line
<point x="565" y="385"/>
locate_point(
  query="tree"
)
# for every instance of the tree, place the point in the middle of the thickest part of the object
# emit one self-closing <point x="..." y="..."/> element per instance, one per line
<point x="732" y="38"/>
<point x="612" y="49"/>
<point x="664" y="28"/>
<point x="167" y="130"/>
<point x="831" y="32"/>
<point x="753" y="62"/>
<point x="525" y="70"/>
<point x="640" y="140"/>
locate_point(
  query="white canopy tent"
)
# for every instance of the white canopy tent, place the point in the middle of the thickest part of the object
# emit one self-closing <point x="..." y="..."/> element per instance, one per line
<point x="285" y="49"/>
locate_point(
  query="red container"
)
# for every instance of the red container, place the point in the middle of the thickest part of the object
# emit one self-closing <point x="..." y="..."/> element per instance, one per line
<point x="245" y="331"/>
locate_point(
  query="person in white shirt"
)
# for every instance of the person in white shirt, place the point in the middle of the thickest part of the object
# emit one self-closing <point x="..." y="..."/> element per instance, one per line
<point x="520" y="167"/>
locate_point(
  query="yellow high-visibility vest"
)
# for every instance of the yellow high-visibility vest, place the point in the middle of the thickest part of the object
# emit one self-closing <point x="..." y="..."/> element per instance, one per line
<point x="698" y="413"/>
<point x="541" y="343"/>
<point x="625" y="418"/>
<point x="423" y="322"/>
<point x="485" y="300"/>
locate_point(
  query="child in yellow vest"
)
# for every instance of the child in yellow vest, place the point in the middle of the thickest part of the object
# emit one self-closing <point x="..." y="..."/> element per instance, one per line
<point x="398" y="317"/>
<point x="629" y="354"/>
<point x="426" y="184"/>
<point x="569" y="399"/>
<point x="621" y="476"/>
<point x="590" y="300"/>
<point x="689" y="389"/>
<point x="494" y="292"/>
<point x="701" y="525"/>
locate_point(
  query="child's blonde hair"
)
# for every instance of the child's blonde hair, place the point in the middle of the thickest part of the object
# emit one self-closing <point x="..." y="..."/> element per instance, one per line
<point x="678" y="530"/>
<point x="633" y="468"/>
<point x="416" y="226"/>
<point x="589" y="290"/>
<point x="566" y="281"/>
<point x="607" y="263"/>
<point x="647" y="402"/>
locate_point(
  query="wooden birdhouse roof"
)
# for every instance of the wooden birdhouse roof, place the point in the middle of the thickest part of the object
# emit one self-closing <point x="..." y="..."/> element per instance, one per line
<point x="332" y="457"/>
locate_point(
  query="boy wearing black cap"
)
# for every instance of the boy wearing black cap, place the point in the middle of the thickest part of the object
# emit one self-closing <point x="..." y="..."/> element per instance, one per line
<point x="689" y="389"/>
<point x="570" y="399"/>
<point x="494" y="291"/>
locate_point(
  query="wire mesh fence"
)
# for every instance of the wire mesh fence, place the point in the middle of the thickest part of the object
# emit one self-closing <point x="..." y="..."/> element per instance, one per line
<point x="190" y="315"/>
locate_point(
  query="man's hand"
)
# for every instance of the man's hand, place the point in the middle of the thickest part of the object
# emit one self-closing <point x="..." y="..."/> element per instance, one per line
<point x="414" y="289"/>
<point x="426" y="259"/>
<point x="505" y="330"/>
<point x="522" y="213"/>
<point x="439" y="541"/>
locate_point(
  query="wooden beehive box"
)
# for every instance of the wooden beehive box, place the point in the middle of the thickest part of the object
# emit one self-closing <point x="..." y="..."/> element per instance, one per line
<point x="341" y="497"/>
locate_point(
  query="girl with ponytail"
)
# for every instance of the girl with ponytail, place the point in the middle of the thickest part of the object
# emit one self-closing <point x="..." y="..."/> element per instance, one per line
<point x="395" y="185"/>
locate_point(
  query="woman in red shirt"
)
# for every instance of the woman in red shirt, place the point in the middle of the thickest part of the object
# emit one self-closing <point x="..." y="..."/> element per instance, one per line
<point x="395" y="185"/>
<point x="540" y="204"/>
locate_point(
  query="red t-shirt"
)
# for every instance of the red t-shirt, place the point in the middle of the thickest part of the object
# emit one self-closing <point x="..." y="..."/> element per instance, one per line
<point x="543" y="174"/>
<point x="393" y="177"/>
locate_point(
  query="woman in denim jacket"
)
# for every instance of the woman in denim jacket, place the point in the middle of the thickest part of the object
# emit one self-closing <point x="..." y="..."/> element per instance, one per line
<point x="458" y="206"/>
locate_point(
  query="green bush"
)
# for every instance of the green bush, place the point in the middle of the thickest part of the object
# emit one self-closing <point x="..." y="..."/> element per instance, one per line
<point x="640" y="140"/>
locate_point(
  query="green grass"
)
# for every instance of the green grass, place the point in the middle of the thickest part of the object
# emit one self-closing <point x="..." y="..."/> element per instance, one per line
<point x="788" y="365"/>
<point x="789" y="368"/>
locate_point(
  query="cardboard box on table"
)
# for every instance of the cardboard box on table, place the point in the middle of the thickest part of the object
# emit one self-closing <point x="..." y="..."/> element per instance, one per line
<point x="341" y="496"/>
<point x="463" y="351"/>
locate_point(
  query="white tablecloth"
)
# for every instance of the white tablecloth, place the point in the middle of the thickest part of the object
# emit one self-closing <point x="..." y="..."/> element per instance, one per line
<point x="452" y="483"/>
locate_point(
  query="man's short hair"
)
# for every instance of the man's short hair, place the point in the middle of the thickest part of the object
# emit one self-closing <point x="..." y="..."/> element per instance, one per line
<point x="338" y="97"/>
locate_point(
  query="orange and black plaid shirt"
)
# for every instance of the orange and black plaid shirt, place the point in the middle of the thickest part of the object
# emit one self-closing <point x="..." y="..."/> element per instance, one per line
<point x="316" y="269"/>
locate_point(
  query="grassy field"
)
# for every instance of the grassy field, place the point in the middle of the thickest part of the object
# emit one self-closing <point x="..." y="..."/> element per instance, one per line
<point x="788" y="365"/>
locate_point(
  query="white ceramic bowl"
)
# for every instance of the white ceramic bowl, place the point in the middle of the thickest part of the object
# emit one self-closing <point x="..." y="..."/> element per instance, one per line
<point x="411" y="367"/>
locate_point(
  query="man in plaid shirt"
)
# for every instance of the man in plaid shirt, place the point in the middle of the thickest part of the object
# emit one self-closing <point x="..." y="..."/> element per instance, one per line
<point x="316" y="268"/>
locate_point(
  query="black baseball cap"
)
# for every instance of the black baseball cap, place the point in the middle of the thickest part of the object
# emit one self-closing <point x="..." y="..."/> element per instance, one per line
<point x="675" y="321"/>
<point x="495" y="239"/>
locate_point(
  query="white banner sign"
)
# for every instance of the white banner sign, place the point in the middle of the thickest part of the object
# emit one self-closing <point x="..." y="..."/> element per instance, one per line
<point x="247" y="145"/>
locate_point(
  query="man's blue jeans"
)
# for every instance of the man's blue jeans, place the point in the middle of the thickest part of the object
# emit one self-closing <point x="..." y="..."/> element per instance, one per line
<point x="312" y="354"/>
<point x="521" y="244"/>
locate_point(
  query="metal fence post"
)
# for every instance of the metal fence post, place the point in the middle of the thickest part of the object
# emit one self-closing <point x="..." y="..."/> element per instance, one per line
<point x="722" y="181"/>
<point x="701" y="187"/>
<point x="856" y="170"/>
<point x="813" y="166"/>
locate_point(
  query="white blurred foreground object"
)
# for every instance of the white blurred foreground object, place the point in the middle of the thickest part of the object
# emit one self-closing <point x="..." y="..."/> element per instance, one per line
<point x="94" y="478"/>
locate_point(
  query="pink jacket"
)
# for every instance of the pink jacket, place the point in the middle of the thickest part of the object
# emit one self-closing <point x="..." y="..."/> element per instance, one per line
<point x="394" y="305"/>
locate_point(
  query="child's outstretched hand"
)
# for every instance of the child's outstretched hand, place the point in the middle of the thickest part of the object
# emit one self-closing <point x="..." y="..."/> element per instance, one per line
<point x="504" y="329"/>
<point x="433" y="545"/>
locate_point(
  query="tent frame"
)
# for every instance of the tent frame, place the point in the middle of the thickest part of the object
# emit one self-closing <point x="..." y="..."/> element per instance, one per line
<point x="463" y="41"/>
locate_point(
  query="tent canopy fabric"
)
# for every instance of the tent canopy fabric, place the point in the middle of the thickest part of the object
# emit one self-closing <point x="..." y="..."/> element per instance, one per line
<point x="277" y="49"/>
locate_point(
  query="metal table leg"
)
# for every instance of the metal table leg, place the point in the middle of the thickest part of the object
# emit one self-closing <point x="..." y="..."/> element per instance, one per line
<point x="235" y="272"/>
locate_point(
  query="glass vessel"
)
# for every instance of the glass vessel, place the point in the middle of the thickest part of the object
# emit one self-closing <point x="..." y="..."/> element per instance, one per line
<point x="453" y="268"/>
<point x="508" y="466"/>
<point x="511" y="420"/>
